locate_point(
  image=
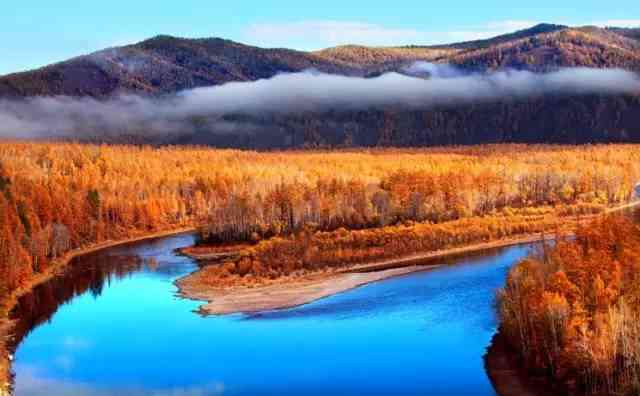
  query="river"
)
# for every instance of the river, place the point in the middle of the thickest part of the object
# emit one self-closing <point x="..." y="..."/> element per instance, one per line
<point x="113" y="325"/>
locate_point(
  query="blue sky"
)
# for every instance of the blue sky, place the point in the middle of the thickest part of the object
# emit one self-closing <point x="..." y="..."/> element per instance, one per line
<point x="35" y="33"/>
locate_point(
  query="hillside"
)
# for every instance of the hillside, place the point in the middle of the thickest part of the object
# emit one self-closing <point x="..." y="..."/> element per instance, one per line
<point x="554" y="119"/>
<point x="631" y="33"/>
<point x="587" y="47"/>
<point x="360" y="56"/>
<point x="162" y="64"/>
<point x="166" y="64"/>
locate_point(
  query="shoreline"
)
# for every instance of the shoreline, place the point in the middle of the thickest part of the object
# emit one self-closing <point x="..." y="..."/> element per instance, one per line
<point x="507" y="374"/>
<point x="6" y="323"/>
<point x="281" y="295"/>
<point x="292" y="293"/>
<point x="288" y="293"/>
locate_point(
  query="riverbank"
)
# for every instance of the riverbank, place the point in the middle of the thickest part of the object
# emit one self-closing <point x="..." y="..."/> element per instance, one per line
<point x="283" y="294"/>
<point x="6" y="324"/>
<point x="288" y="293"/>
<point x="213" y="253"/>
<point x="506" y="375"/>
<point x="291" y="290"/>
<point x="598" y="272"/>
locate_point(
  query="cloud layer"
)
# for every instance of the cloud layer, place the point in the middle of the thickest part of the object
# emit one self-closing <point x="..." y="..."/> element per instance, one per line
<point x="318" y="34"/>
<point x="422" y="86"/>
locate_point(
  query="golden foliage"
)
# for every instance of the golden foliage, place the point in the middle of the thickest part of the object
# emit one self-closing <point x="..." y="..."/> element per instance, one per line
<point x="56" y="197"/>
<point x="573" y="310"/>
<point x="308" y="252"/>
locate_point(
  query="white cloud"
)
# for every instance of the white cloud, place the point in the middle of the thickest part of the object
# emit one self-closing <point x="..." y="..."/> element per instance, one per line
<point x="64" y="362"/>
<point x="511" y="25"/>
<point x="625" y="23"/>
<point x="489" y="30"/>
<point x="316" y="34"/>
<point x="31" y="381"/>
<point x="289" y="94"/>
<point x="75" y="343"/>
<point x="329" y="33"/>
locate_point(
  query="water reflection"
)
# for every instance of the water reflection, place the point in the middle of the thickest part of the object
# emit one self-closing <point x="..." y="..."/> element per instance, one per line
<point x="32" y="384"/>
<point x="90" y="275"/>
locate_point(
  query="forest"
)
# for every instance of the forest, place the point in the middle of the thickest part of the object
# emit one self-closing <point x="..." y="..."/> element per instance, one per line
<point x="550" y="119"/>
<point x="571" y="311"/>
<point x="343" y="206"/>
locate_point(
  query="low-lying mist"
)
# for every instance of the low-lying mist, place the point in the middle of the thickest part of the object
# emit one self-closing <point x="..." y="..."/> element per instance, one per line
<point x="419" y="86"/>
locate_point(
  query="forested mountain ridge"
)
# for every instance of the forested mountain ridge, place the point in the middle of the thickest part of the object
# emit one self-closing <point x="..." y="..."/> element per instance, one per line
<point x="165" y="64"/>
<point x="161" y="65"/>
<point x="361" y="55"/>
<point x="627" y="32"/>
<point x="586" y="47"/>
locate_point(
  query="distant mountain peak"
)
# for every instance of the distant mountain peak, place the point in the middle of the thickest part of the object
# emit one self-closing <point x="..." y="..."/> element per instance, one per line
<point x="542" y="27"/>
<point x="165" y="64"/>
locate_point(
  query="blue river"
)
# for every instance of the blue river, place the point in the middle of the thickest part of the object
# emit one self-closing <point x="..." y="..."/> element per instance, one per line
<point x="112" y="325"/>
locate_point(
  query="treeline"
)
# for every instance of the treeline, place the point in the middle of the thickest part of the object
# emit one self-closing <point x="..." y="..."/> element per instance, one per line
<point x="58" y="197"/>
<point x="164" y="65"/>
<point x="573" y="310"/>
<point x="446" y="185"/>
<point x="382" y="58"/>
<point x="557" y="119"/>
<point x="577" y="47"/>
<point x="308" y="252"/>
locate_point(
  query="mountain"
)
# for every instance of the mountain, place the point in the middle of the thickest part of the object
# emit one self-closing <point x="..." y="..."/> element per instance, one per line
<point x="630" y="33"/>
<point x="588" y="47"/>
<point x="161" y="65"/>
<point x="164" y="65"/>
<point x="520" y="34"/>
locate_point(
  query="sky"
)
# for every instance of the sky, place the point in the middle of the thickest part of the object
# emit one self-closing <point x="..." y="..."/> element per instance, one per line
<point x="39" y="32"/>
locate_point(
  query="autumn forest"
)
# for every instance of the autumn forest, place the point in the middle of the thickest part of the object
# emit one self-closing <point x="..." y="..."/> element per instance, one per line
<point x="571" y="311"/>
<point x="59" y="197"/>
<point x="287" y="215"/>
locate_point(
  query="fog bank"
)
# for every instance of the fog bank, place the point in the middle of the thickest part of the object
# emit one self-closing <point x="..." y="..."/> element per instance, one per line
<point x="423" y="85"/>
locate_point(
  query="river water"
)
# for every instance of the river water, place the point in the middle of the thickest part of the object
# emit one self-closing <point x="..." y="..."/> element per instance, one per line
<point x="112" y="325"/>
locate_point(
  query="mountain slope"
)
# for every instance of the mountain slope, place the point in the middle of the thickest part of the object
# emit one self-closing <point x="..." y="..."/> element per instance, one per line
<point x="627" y="32"/>
<point x="167" y="64"/>
<point x="586" y="47"/>
<point x="160" y="65"/>
<point x="536" y="30"/>
<point x="360" y="56"/>
<point x="357" y="55"/>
